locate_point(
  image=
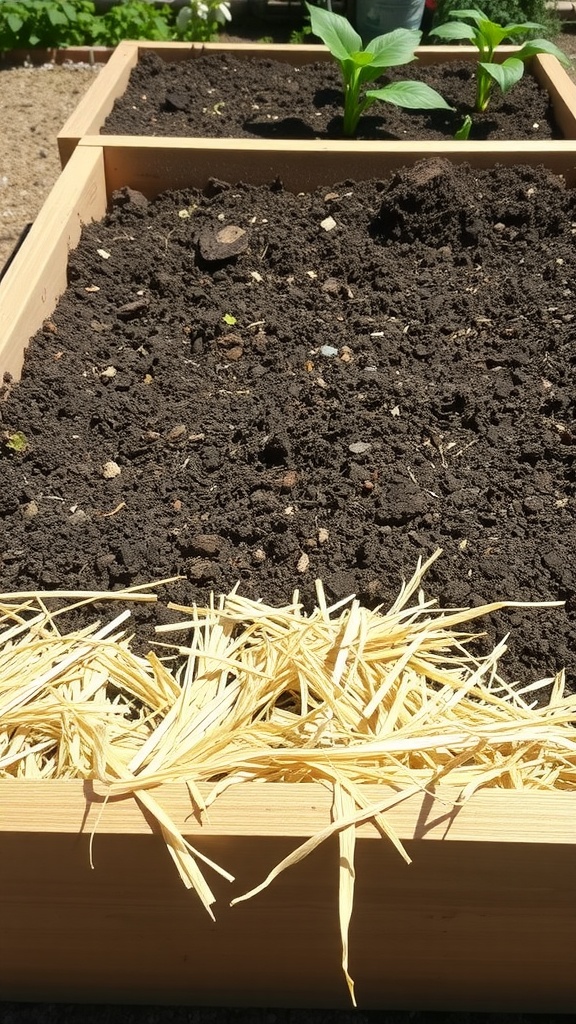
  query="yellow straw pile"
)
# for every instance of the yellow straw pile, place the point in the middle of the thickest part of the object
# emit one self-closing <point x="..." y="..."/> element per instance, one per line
<point x="343" y="696"/>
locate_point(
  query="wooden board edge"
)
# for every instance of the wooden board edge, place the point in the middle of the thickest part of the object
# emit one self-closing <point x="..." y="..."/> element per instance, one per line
<point x="97" y="102"/>
<point x="561" y="89"/>
<point x="37" y="277"/>
<point x="290" y="810"/>
<point x="153" y="165"/>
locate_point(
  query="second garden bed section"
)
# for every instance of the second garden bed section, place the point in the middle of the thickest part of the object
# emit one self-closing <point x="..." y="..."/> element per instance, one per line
<point x="249" y="90"/>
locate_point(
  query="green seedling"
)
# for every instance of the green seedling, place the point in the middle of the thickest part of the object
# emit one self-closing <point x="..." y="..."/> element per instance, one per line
<point x="463" y="132"/>
<point x="16" y="442"/>
<point x="487" y="36"/>
<point x="360" y="65"/>
<point x="229" y="319"/>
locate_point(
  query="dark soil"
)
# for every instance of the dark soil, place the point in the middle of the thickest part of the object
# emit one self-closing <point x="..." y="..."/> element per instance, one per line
<point x="296" y="402"/>
<point x="221" y="95"/>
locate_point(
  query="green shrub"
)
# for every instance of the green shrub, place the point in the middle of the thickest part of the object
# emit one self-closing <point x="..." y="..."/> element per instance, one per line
<point x="201" y="19"/>
<point x="505" y="12"/>
<point x="133" y="19"/>
<point x="58" y="23"/>
<point x="47" y="23"/>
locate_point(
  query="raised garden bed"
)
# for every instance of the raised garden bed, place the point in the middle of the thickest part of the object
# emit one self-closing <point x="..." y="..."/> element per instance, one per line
<point x="460" y="332"/>
<point x="308" y="109"/>
<point x="443" y="416"/>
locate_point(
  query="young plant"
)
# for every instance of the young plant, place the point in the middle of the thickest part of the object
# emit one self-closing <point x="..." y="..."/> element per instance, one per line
<point x="361" y="65"/>
<point x="200" y="20"/>
<point x="486" y="36"/>
<point x="15" y="442"/>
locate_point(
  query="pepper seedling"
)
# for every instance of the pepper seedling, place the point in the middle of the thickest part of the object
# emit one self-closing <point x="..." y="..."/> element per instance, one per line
<point x="486" y="36"/>
<point x="361" y="65"/>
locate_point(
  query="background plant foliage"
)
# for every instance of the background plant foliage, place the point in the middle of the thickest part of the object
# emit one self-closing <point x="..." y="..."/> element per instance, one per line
<point x="505" y="12"/>
<point x="59" y="23"/>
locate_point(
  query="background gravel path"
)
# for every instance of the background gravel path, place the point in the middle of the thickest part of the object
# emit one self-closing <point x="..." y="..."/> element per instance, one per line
<point x="34" y="104"/>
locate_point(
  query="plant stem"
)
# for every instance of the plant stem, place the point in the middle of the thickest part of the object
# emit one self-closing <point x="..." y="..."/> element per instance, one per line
<point x="352" y="106"/>
<point x="484" y="82"/>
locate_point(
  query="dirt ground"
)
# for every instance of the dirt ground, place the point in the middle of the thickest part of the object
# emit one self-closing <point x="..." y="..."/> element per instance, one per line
<point x="387" y="446"/>
<point x="34" y="104"/>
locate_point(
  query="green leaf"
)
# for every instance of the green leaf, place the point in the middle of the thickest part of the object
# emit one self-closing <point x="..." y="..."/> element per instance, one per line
<point x="229" y="319"/>
<point x="454" y="30"/>
<point x="535" y="46"/>
<point x="56" y="17"/>
<point x="411" y="95"/>
<point x="490" y="34"/>
<point x="17" y="442"/>
<point x="507" y="74"/>
<point x="520" y="30"/>
<point x="472" y="14"/>
<point x="14" y="23"/>
<point x="394" y="48"/>
<point x="335" y="32"/>
<point x="70" y="12"/>
<point x="463" y="132"/>
<point x="362" y="58"/>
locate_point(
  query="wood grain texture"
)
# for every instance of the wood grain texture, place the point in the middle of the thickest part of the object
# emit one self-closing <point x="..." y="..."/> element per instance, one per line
<point x="151" y="165"/>
<point x="37" y="277"/>
<point x="96" y="104"/>
<point x="561" y="89"/>
<point x="287" y="810"/>
<point x="468" y="925"/>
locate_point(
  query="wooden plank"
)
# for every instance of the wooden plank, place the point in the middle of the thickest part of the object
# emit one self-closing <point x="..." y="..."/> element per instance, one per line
<point x="37" y="276"/>
<point x="466" y="926"/>
<point x="285" y="809"/>
<point x="151" y="165"/>
<point x="97" y="102"/>
<point x="562" y="90"/>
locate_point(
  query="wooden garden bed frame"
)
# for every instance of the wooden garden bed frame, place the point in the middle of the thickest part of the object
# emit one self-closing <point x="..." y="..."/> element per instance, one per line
<point x="483" y="919"/>
<point x="97" y="102"/>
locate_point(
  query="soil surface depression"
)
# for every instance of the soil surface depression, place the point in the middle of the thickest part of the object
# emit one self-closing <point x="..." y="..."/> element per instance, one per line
<point x="219" y="96"/>
<point x="246" y="384"/>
